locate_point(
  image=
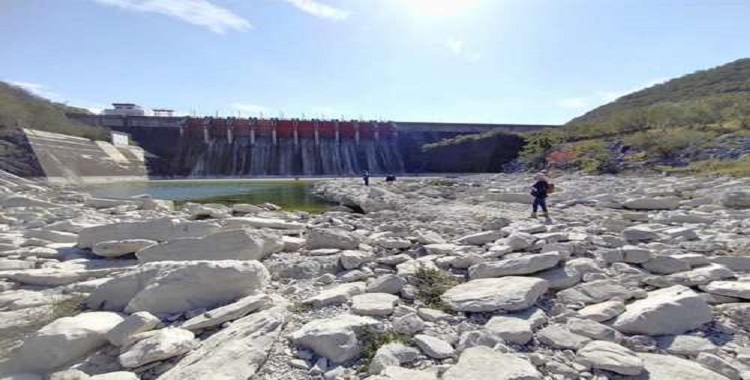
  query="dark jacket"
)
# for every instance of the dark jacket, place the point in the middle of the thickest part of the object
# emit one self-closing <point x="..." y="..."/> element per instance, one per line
<point x="540" y="189"/>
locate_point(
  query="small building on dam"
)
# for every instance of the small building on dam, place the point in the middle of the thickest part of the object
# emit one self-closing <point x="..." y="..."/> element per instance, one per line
<point x="236" y="147"/>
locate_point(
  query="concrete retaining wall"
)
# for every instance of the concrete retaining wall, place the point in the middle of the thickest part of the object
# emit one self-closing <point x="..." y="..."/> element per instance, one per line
<point x="69" y="159"/>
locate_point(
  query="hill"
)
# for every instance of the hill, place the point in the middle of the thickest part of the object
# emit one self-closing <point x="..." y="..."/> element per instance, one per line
<point x="699" y="122"/>
<point x="22" y="109"/>
<point x="731" y="79"/>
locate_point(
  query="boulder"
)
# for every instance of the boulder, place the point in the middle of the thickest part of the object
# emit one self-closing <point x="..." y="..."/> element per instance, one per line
<point x="600" y="354"/>
<point x="64" y="341"/>
<point x="480" y="238"/>
<point x="639" y="234"/>
<point x="165" y="344"/>
<point x="603" y="311"/>
<point x="272" y="223"/>
<point x="133" y="324"/>
<point x="560" y="278"/>
<point x="374" y="304"/>
<point x="492" y="294"/>
<point x="559" y="337"/>
<point x="333" y="338"/>
<point x="738" y="289"/>
<point x="51" y="236"/>
<point x="387" y="283"/>
<point x="595" y="291"/>
<point x="511" y="329"/>
<point x="736" y="199"/>
<point x="117" y="248"/>
<point x="509" y="267"/>
<point x="235" y="310"/>
<point x="686" y="344"/>
<point x="484" y="363"/>
<point x="652" y="203"/>
<point x="434" y="347"/>
<point x="336" y="294"/>
<point x="672" y="310"/>
<point x="23" y="201"/>
<point x="179" y="286"/>
<point x="665" y="265"/>
<point x="237" y="244"/>
<point x="667" y="367"/>
<point x="236" y="352"/>
<point x="161" y="229"/>
<point x="331" y="238"/>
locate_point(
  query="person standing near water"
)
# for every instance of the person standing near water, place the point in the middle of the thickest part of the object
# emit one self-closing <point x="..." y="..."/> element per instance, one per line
<point x="539" y="191"/>
<point x="366" y="177"/>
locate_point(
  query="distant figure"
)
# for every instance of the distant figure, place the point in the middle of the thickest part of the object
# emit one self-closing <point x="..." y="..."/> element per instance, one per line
<point x="390" y="178"/>
<point x="366" y="177"/>
<point x="539" y="191"/>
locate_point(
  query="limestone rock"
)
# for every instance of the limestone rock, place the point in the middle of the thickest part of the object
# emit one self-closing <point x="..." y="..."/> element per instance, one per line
<point x="234" y="353"/>
<point x="665" y="265"/>
<point x="484" y="363"/>
<point x="272" y="223"/>
<point x="509" y="267"/>
<point x="331" y="238"/>
<point x="236" y="244"/>
<point x="337" y="294"/>
<point x="434" y="347"/>
<point x="235" y="310"/>
<point x="64" y="341"/>
<point x="388" y="283"/>
<point x="511" y="329"/>
<point x="161" y="229"/>
<point x="492" y="294"/>
<point x="603" y="311"/>
<point x="686" y="344"/>
<point x="667" y="367"/>
<point x="334" y="338"/>
<point x="374" y="304"/>
<point x="133" y="324"/>
<point x="480" y="238"/>
<point x="665" y="311"/>
<point x="117" y="248"/>
<point x="736" y="199"/>
<point x="165" y="344"/>
<point x="557" y="336"/>
<point x="738" y="289"/>
<point x="179" y="286"/>
<point x="653" y="203"/>
<point x="611" y="357"/>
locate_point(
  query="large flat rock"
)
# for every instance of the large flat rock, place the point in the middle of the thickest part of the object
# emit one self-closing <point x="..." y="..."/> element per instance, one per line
<point x="672" y="310"/>
<point x="491" y="294"/>
<point x="179" y="286"/>
<point x="237" y="244"/>
<point x="484" y="363"/>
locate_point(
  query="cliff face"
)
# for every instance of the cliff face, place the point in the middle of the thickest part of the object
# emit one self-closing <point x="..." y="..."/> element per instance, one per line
<point x="467" y="154"/>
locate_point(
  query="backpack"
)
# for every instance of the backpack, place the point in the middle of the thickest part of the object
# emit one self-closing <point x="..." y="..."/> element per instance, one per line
<point x="550" y="188"/>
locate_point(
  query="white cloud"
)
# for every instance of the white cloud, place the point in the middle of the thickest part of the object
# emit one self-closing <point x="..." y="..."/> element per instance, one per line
<point x="320" y="10"/>
<point x="573" y="103"/>
<point x="197" y="12"/>
<point x="37" y="89"/>
<point x="251" y="109"/>
<point x="458" y="48"/>
<point x="603" y="97"/>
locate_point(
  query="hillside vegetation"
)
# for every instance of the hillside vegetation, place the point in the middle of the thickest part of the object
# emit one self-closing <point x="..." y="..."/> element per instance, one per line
<point x="698" y="123"/>
<point x="21" y="109"/>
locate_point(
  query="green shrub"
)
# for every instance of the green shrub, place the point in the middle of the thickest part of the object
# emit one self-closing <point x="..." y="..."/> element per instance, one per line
<point x="372" y="339"/>
<point x="431" y="284"/>
<point x="68" y="307"/>
<point x="595" y="157"/>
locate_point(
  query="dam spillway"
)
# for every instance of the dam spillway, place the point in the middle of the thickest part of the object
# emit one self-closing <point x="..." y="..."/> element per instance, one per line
<point x="239" y="147"/>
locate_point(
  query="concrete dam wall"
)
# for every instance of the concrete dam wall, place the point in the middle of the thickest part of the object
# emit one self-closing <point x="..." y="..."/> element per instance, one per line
<point x="221" y="147"/>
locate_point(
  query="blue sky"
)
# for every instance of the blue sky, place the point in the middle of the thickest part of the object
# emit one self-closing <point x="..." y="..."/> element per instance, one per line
<point x="501" y="61"/>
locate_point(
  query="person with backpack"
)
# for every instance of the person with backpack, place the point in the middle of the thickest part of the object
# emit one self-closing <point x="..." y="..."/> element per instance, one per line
<point x="539" y="191"/>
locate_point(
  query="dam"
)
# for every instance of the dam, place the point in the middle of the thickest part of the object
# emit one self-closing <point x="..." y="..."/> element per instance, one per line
<point x="206" y="147"/>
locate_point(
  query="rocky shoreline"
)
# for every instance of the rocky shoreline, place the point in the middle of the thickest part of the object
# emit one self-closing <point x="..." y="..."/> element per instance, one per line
<point x="437" y="278"/>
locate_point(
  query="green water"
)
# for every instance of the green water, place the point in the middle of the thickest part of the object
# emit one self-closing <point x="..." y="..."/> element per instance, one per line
<point x="289" y="194"/>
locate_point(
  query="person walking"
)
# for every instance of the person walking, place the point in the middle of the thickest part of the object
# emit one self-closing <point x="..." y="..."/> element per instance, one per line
<point x="539" y="191"/>
<point x="366" y="177"/>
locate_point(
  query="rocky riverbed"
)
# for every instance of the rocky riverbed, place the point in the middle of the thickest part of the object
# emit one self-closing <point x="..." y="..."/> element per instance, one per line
<point x="644" y="278"/>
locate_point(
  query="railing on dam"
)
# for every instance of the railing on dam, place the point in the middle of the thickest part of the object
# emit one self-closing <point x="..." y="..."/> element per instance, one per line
<point x="208" y="128"/>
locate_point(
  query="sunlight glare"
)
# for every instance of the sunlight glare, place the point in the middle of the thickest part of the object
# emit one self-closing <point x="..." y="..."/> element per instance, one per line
<point x="439" y="8"/>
